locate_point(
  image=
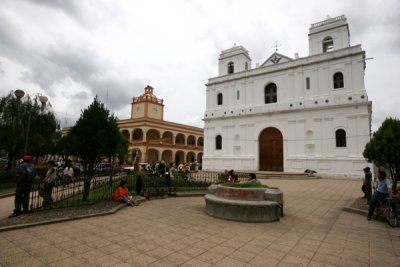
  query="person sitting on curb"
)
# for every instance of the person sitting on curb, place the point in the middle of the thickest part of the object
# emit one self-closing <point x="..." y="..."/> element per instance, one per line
<point x="383" y="190"/>
<point x="121" y="194"/>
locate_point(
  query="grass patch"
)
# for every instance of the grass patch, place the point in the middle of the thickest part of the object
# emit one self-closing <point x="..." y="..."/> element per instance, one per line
<point x="245" y="185"/>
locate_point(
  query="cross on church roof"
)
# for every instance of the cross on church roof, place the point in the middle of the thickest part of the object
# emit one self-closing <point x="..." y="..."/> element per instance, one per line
<point x="276" y="45"/>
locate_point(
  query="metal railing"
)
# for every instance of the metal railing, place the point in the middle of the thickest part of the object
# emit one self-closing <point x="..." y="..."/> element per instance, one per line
<point x="70" y="193"/>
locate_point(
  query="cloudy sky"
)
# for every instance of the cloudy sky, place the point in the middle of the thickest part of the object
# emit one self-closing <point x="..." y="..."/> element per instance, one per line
<point x="73" y="50"/>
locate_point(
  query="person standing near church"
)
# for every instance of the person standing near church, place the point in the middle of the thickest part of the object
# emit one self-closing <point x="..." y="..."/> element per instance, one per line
<point x="366" y="187"/>
<point x="25" y="174"/>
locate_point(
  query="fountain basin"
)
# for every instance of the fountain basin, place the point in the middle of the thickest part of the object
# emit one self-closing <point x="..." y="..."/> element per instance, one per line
<point x="244" y="204"/>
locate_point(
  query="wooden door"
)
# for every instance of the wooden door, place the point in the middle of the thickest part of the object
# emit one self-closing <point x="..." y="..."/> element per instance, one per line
<point x="271" y="150"/>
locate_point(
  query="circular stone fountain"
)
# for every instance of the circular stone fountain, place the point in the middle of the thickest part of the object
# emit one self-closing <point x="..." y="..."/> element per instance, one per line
<point x="244" y="204"/>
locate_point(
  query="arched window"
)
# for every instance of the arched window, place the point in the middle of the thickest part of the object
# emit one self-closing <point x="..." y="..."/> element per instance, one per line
<point x="237" y="95"/>
<point x="219" y="99"/>
<point x="270" y="93"/>
<point x="340" y="138"/>
<point x="231" y="67"/>
<point x="327" y="44"/>
<point x="246" y="66"/>
<point x="338" y="81"/>
<point x="218" y="142"/>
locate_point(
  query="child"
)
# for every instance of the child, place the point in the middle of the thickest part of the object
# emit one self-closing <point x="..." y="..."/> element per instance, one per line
<point x="121" y="194"/>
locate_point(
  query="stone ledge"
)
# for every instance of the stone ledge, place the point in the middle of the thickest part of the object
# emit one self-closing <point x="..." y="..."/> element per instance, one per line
<point x="240" y="202"/>
<point x="242" y="210"/>
<point x="355" y="210"/>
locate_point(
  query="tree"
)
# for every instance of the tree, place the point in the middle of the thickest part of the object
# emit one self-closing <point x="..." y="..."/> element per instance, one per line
<point x="384" y="148"/>
<point x="95" y="134"/>
<point x="25" y="121"/>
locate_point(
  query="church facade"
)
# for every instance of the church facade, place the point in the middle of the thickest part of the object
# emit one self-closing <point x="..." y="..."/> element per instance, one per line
<point x="291" y="114"/>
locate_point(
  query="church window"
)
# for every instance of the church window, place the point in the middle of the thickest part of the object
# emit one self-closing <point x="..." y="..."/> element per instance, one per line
<point x="308" y="83"/>
<point x="219" y="99"/>
<point x="340" y="138"/>
<point x="338" y="81"/>
<point x="231" y="67"/>
<point x="237" y="95"/>
<point x="218" y="142"/>
<point x="270" y="93"/>
<point x="246" y="66"/>
<point x="327" y="44"/>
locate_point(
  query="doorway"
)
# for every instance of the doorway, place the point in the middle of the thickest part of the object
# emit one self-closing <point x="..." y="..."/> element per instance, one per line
<point x="271" y="150"/>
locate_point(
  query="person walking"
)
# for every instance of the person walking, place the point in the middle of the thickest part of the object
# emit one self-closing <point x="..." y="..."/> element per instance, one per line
<point x="25" y="174"/>
<point x="366" y="187"/>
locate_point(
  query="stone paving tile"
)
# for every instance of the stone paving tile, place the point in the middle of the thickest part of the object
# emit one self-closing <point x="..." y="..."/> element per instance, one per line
<point x="142" y="260"/>
<point x="304" y="253"/>
<point x="80" y="249"/>
<point x="264" y="260"/>
<point x="230" y="262"/>
<point x="242" y="256"/>
<point x="251" y="248"/>
<point x="110" y="249"/>
<point x="192" y="251"/>
<point x="161" y="263"/>
<point x="159" y="252"/>
<point x="196" y="263"/>
<point x="27" y="262"/>
<point x="211" y="257"/>
<point x="176" y="258"/>
<point x="292" y="260"/>
<point x="177" y="232"/>
<point x="125" y="254"/>
<point x="106" y="260"/>
<point x="90" y="256"/>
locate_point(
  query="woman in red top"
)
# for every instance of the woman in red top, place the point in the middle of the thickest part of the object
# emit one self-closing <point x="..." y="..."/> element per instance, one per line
<point x="121" y="194"/>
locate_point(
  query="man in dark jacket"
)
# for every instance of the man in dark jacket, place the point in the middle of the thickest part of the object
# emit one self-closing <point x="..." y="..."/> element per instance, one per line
<point x="366" y="187"/>
<point x="25" y="174"/>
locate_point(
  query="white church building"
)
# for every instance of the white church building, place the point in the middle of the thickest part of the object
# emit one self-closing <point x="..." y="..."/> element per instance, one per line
<point x="291" y="114"/>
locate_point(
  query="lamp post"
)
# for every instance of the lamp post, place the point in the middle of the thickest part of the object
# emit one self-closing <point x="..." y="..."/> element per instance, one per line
<point x="43" y="100"/>
<point x="18" y="94"/>
<point x="136" y="163"/>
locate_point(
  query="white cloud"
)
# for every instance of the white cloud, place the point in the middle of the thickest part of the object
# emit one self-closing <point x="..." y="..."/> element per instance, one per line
<point x="74" y="50"/>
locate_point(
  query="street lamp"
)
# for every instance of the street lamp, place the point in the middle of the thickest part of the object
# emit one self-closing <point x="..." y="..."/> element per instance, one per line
<point x="19" y="94"/>
<point x="43" y="100"/>
<point x="136" y="163"/>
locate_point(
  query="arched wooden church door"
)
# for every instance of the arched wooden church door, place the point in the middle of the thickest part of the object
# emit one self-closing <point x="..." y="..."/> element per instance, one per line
<point x="271" y="150"/>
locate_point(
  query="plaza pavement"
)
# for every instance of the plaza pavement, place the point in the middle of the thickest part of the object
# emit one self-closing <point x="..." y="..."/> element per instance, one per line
<point x="315" y="231"/>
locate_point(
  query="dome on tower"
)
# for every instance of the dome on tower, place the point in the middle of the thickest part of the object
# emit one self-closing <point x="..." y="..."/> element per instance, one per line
<point x="148" y="96"/>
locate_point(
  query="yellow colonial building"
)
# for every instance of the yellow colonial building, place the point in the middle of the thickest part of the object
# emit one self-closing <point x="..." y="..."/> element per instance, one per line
<point x="152" y="139"/>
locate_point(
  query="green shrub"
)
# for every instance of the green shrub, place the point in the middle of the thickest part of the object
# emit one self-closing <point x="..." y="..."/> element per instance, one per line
<point x="245" y="185"/>
<point x="7" y="176"/>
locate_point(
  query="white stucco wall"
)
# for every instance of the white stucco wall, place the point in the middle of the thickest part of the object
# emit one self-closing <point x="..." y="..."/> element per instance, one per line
<point x="307" y="118"/>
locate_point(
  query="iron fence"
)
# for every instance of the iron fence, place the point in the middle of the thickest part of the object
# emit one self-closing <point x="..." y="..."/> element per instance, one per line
<point x="70" y="193"/>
